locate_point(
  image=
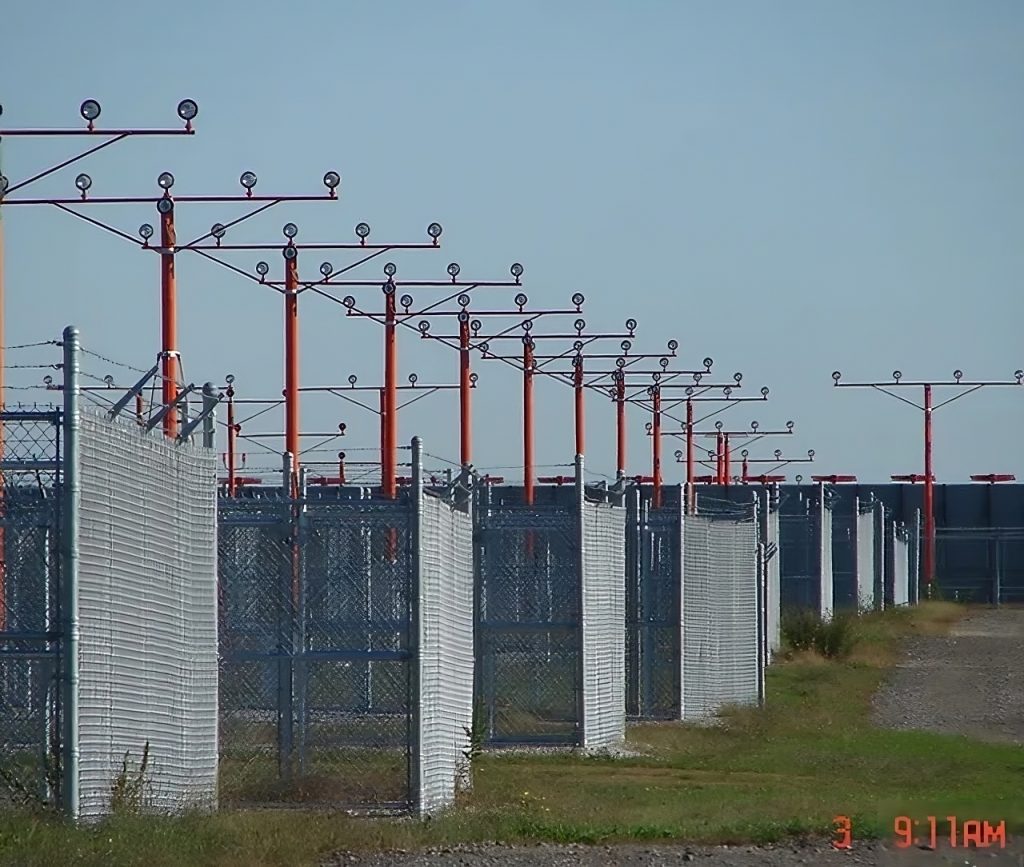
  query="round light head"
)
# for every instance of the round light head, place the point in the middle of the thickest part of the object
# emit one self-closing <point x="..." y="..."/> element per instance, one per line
<point x="630" y="325"/>
<point x="230" y="378"/>
<point x="406" y="301"/>
<point x="578" y="299"/>
<point x="423" y="326"/>
<point x="47" y="381"/>
<point x="527" y="341"/>
<point x="738" y="377"/>
<point x="218" y="230"/>
<point x="673" y="345"/>
<point x="332" y="180"/>
<point x="836" y="376"/>
<point x="516" y="270"/>
<point x="799" y="479"/>
<point x="341" y="456"/>
<point x="663" y="362"/>
<point x="618" y="376"/>
<point x="789" y="425"/>
<point x="754" y="425"/>
<point x="958" y="375"/>
<point x="453" y="269"/>
<point x="262" y="268"/>
<point x="165" y="180"/>
<point x="527" y="324"/>
<point x="108" y="381"/>
<point x="688" y="393"/>
<point x="476" y="325"/>
<point x="764" y="391"/>
<point x="718" y="425"/>
<point x="745" y="453"/>
<point x="579" y="324"/>
<point x="348" y="302"/>
<point x="187" y="110"/>
<point x="727" y="391"/>
<point x="620" y="363"/>
<point x="520" y="300"/>
<point x="679" y="454"/>
<point x="83" y="182"/>
<point x="897" y="375"/>
<point x="626" y="345"/>
<point x="326" y="268"/>
<point x="697" y="377"/>
<point x="486" y="347"/>
<point x="434" y="230"/>
<point x="778" y="454"/>
<point x="413" y="378"/>
<point x="145" y="231"/>
<point x="390" y="269"/>
<point x="1018" y="375"/>
<point x="390" y="288"/>
<point x="656" y="376"/>
<point x="90" y="110"/>
<point x="289" y="252"/>
<point x="708" y="362"/>
<point x="474" y="378"/>
<point x="247" y="180"/>
<point x="362" y="230"/>
<point x="165" y="205"/>
<point x="810" y="454"/>
<point x="342" y="427"/>
<point x="577" y="360"/>
<point x="289" y="230"/>
<point x="463" y="300"/>
<point x="648" y="427"/>
<point x="577" y="345"/>
<point x="463" y="316"/>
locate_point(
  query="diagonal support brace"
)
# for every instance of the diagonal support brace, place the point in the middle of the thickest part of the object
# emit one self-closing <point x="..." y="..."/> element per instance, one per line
<point x="135" y="390"/>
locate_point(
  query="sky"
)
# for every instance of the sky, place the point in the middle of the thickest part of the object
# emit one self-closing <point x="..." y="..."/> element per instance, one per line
<point x="789" y="188"/>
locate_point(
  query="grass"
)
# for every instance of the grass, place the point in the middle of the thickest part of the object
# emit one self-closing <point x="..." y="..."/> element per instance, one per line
<point x="764" y="774"/>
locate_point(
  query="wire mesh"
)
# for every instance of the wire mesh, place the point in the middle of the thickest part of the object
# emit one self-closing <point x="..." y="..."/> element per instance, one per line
<point x="773" y="580"/>
<point x="805" y="545"/>
<point x="865" y="562"/>
<point x="720" y="605"/>
<point x="147" y="620"/>
<point x="315" y="652"/>
<point x="528" y="619"/>
<point x="30" y="524"/>
<point x="901" y="572"/>
<point x="844" y="560"/>
<point x="445" y="644"/>
<point x="980" y="564"/>
<point x="603" y="625"/>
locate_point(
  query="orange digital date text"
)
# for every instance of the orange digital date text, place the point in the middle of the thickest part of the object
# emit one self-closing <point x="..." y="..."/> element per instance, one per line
<point x="932" y="831"/>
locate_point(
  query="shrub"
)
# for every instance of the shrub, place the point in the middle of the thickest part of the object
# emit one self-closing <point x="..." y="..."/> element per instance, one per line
<point x="804" y="629"/>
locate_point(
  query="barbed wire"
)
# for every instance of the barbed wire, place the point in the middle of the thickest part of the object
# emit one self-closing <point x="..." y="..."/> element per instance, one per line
<point x="31" y="345"/>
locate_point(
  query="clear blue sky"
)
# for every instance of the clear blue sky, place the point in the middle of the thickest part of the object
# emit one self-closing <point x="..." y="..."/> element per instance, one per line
<point x="788" y="187"/>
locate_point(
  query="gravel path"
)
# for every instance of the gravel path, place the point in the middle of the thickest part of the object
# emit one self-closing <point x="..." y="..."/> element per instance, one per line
<point x="970" y="682"/>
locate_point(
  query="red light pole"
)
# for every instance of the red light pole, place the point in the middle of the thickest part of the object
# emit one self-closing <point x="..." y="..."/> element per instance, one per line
<point x="967" y="387"/>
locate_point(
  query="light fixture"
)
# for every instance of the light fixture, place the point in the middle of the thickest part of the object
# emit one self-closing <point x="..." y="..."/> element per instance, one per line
<point x="262" y="268"/>
<point x="476" y="325"/>
<point x="718" y="425"/>
<point x="578" y="299"/>
<point x="108" y="381"/>
<point x="145" y="231"/>
<point x="218" y="230"/>
<point x="527" y="325"/>
<point x="90" y="110"/>
<point x="778" y="454"/>
<point x="577" y="345"/>
<point x="754" y="425"/>
<point x="679" y="454"/>
<point x="423" y="326"/>
<point x="434" y="230"/>
<point x="83" y="182"/>
<point x="362" y="231"/>
<point x="473" y="379"/>
<point x="727" y="391"/>
<point x="348" y="301"/>
<point x="248" y="181"/>
<point x="836" y="376"/>
<point x="463" y="300"/>
<point x="516" y="270"/>
<point x="764" y="391"/>
<point x="289" y="230"/>
<point x="579" y="324"/>
<point x="810" y="454"/>
<point x="745" y="453"/>
<point x="390" y="269"/>
<point x="453" y="270"/>
<point x="463" y="316"/>
<point x="165" y="180"/>
<point x="789" y="425"/>
<point x="413" y="378"/>
<point x="289" y="252"/>
<point x="165" y="205"/>
<point x="738" y="377"/>
<point x="663" y="362"/>
<point x="630" y="325"/>
<point x="326" y="269"/>
<point x="332" y="180"/>
<point x="352" y="379"/>
<point x="958" y="375"/>
<point x="620" y="363"/>
<point x="897" y="375"/>
<point x="626" y="345"/>
<point x="708" y="362"/>
<point x="406" y="301"/>
<point x="230" y="378"/>
<point x="187" y="110"/>
<point x="673" y="345"/>
<point x="520" y="300"/>
<point x="656" y="376"/>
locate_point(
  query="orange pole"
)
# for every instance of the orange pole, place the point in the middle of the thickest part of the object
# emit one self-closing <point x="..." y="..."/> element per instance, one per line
<point x="232" y="433"/>
<point x="390" y="394"/>
<point x="341" y="468"/>
<point x="139" y="409"/>
<point x="690" y="474"/>
<point x="291" y="364"/>
<point x="465" y="421"/>
<point x="169" y="318"/>
<point x="620" y="427"/>
<point x="725" y="460"/>
<point x="718" y="459"/>
<point x="656" y="448"/>
<point x="528" y="424"/>
<point x="578" y="383"/>
<point x="928" y="554"/>
<point x="383" y="437"/>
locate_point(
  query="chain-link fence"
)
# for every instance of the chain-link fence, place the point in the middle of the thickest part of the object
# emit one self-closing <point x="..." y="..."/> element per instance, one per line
<point x="30" y="569"/>
<point x="980" y="564"/>
<point x="867" y="563"/>
<point x="344" y="624"/>
<point x="900" y="567"/>
<point x="147" y="652"/>
<point x="535" y="581"/>
<point x="806" y="557"/>
<point x="721" y="610"/>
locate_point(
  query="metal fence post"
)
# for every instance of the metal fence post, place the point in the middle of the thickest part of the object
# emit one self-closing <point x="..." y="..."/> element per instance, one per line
<point x="416" y="629"/>
<point x="581" y="673"/>
<point x="997" y="590"/>
<point x="71" y="516"/>
<point x="210" y="402"/>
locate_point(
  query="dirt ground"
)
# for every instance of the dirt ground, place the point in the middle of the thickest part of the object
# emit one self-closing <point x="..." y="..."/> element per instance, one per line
<point x="969" y="682"/>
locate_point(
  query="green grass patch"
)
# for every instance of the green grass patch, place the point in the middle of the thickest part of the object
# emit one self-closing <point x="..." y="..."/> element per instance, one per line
<point x="764" y="774"/>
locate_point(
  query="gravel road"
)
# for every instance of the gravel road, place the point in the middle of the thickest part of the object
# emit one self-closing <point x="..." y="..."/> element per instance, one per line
<point x="969" y="682"/>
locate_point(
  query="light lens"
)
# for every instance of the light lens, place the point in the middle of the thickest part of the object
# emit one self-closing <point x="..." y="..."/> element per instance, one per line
<point x="90" y="109"/>
<point x="958" y="374"/>
<point x="453" y="269"/>
<point x="810" y="454"/>
<point x="738" y="377"/>
<point x="165" y="205"/>
<point x="836" y="375"/>
<point x="527" y="325"/>
<point x="290" y="230"/>
<point x="405" y="301"/>
<point x="521" y="300"/>
<point x="289" y="252"/>
<point x="577" y="345"/>
<point x="673" y="345"/>
<point x="626" y="345"/>
<point x="630" y="325"/>
<point x="262" y="268"/>
<point x="708" y="362"/>
<point x="218" y="230"/>
<point x="463" y="300"/>
<point x="247" y="180"/>
<point x="476" y="325"/>
<point x="578" y="298"/>
<point x="423" y="326"/>
<point x="778" y="454"/>
<point x="352" y="379"/>
<point x="326" y="268"/>
<point x="789" y="425"/>
<point x="145" y="231"/>
<point x="348" y="301"/>
<point x="165" y="180"/>
<point x="463" y="316"/>
<point x="663" y="362"/>
<point x="434" y="230"/>
<point x="83" y="182"/>
<point x="390" y="269"/>
<point x="579" y="324"/>
<point x="516" y="270"/>
<point x="332" y="180"/>
<point x="413" y="378"/>
<point x="764" y="391"/>
<point x="187" y="110"/>
<point x="362" y="230"/>
<point x="897" y="375"/>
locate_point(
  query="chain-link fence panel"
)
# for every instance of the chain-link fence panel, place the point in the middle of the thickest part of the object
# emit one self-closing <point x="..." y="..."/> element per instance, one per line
<point x="823" y="542"/>
<point x="980" y="564"/>
<point x="603" y="625"/>
<point x="528" y="619"/>
<point x="901" y="568"/>
<point x="844" y="560"/>
<point x="720" y="603"/>
<point x="445" y="648"/>
<point x="865" y="556"/>
<point x="798" y="562"/>
<point x="147" y="690"/>
<point x="30" y="572"/>
<point x="654" y="630"/>
<point x="773" y="580"/>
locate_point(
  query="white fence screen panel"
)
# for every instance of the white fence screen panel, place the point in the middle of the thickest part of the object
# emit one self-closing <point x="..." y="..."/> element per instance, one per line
<point x="865" y="560"/>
